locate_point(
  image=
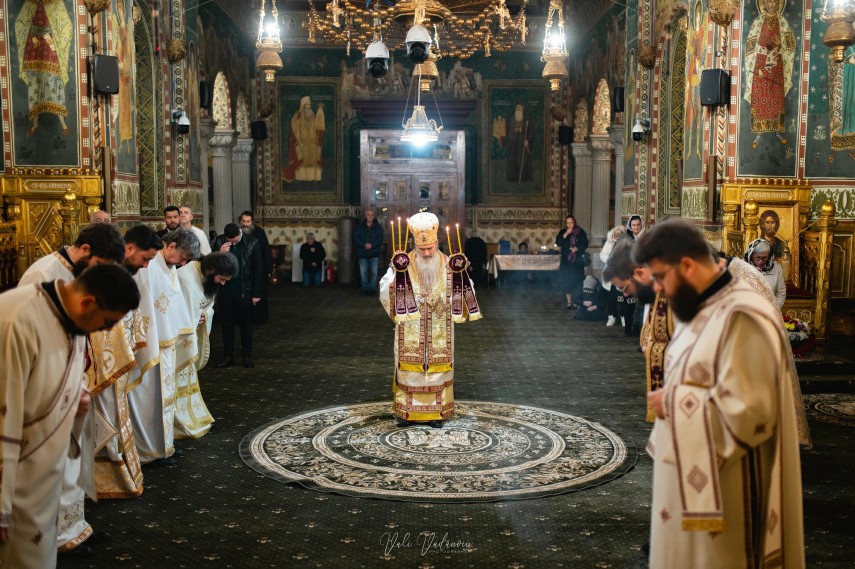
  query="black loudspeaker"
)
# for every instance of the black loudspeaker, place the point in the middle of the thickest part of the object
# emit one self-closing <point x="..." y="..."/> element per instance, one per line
<point x="617" y="99"/>
<point x="258" y="130"/>
<point x="206" y="95"/>
<point x="715" y="87"/>
<point x="105" y="74"/>
<point x="565" y="134"/>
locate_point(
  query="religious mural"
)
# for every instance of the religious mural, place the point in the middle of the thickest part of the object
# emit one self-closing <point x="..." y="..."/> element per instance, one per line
<point x="308" y="135"/>
<point x="123" y="106"/>
<point x="44" y="68"/>
<point x="769" y="95"/>
<point x="514" y="120"/>
<point x="831" y="104"/>
<point x="698" y="52"/>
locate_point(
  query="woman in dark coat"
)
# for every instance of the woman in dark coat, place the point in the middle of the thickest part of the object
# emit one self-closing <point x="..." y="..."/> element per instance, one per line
<point x="573" y="241"/>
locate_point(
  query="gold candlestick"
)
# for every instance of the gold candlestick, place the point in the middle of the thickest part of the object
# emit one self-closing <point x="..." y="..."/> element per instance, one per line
<point x="392" y="234"/>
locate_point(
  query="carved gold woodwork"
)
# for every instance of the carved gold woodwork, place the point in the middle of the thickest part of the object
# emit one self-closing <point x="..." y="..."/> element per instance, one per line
<point x="810" y="245"/>
<point x="8" y="256"/>
<point x="47" y="210"/>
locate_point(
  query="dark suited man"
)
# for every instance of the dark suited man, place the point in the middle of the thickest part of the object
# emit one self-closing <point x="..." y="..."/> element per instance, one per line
<point x="239" y="296"/>
<point x="248" y="226"/>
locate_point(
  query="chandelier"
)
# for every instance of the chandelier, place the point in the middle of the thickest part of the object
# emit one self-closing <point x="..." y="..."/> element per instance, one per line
<point x="456" y="33"/>
<point x="418" y="129"/>
<point x="839" y="34"/>
<point x="269" y="43"/>
<point x="555" y="46"/>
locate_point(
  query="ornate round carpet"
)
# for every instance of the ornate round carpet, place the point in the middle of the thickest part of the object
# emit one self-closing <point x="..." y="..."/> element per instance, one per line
<point x="837" y="408"/>
<point x="487" y="451"/>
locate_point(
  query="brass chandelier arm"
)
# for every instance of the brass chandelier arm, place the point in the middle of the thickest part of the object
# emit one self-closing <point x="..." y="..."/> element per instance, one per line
<point x="347" y="23"/>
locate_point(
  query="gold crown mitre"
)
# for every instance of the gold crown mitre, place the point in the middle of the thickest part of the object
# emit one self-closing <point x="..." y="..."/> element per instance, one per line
<point x="424" y="226"/>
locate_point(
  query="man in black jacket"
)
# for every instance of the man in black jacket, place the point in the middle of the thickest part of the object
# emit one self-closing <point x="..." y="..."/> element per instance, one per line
<point x="239" y="295"/>
<point x="248" y="226"/>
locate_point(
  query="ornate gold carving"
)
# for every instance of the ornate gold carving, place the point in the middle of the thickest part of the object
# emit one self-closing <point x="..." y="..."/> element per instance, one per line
<point x="175" y="50"/>
<point x="580" y="127"/>
<point x="602" y="109"/>
<point x="96" y="6"/>
<point x="722" y="11"/>
<point x="647" y="56"/>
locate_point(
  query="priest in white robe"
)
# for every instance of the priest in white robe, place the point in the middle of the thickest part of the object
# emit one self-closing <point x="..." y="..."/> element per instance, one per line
<point x="118" y="473"/>
<point x="96" y="244"/>
<point x="152" y="402"/>
<point x="200" y="281"/>
<point x="42" y="347"/>
<point x="726" y="474"/>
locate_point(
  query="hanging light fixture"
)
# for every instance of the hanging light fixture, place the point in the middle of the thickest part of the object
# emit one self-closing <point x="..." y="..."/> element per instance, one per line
<point x="466" y="27"/>
<point x="555" y="47"/>
<point x="840" y="33"/>
<point x="418" y="129"/>
<point x="269" y="43"/>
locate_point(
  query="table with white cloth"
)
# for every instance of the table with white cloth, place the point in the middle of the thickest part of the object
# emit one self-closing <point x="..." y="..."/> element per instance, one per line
<point x="500" y="264"/>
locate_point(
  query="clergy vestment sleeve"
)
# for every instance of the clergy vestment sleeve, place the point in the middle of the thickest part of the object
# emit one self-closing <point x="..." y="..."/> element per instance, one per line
<point x="745" y="400"/>
<point x="17" y="360"/>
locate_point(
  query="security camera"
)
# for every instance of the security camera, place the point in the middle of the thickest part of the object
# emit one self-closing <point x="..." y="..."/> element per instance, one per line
<point x="642" y="126"/>
<point x="418" y="43"/>
<point x="377" y="59"/>
<point x="181" y="122"/>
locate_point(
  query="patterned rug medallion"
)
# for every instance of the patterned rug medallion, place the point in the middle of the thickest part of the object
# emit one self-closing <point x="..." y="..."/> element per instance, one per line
<point x="487" y="451"/>
<point x="837" y="408"/>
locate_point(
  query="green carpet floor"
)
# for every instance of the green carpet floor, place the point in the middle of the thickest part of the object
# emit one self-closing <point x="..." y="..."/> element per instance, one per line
<point x="332" y="346"/>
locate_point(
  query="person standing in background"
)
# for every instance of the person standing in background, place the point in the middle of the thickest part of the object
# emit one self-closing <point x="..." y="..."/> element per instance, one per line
<point x="249" y="227"/>
<point x="369" y="241"/>
<point x="185" y="220"/>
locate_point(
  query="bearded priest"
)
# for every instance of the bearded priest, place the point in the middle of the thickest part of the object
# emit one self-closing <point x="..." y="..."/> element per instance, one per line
<point x="425" y="292"/>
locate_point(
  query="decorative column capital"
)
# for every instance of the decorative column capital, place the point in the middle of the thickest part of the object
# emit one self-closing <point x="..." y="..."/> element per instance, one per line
<point x="601" y="148"/>
<point x="221" y="143"/>
<point x="616" y="133"/>
<point x="242" y="149"/>
<point x="581" y="153"/>
<point x="206" y="130"/>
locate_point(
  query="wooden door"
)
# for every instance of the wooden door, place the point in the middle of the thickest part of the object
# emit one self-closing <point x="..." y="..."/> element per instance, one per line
<point x="399" y="180"/>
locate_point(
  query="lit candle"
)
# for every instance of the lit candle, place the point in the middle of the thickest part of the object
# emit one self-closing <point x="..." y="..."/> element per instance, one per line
<point x="459" y="244"/>
<point x="392" y="236"/>
<point x="448" y="238"/>
<point x="407" y="236"/>
<point x="399" y="230"/>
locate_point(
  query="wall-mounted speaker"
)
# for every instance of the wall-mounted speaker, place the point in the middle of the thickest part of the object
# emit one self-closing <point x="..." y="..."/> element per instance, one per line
<point x="618" y="99"/>
<point x="565" y="134"/>
<point x="715" y="87"/>
<point x="206" y="95"/>
<point x="258" y="130"/>
<point x="105" y="74"/>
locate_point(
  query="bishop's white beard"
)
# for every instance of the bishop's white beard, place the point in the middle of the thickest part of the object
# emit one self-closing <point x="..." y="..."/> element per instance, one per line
<point x="427" y="270"/>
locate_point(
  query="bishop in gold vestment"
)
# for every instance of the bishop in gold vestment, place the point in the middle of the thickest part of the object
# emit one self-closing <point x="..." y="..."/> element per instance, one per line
<point x="425" y="293"/>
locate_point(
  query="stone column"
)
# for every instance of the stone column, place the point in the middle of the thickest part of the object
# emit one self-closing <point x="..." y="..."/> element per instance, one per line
<point x="241" y="187"/>
<point x="221" y="151"/>
<point x="582" y="185"/>
<point x="616" y="138"/>
<point x="601" y="159"/>
<point x="207" y="126"/>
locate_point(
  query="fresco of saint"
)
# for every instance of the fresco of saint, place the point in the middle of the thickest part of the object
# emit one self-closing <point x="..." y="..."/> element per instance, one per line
<point x="43" y="32"/>
<point x="769" y="54"/>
